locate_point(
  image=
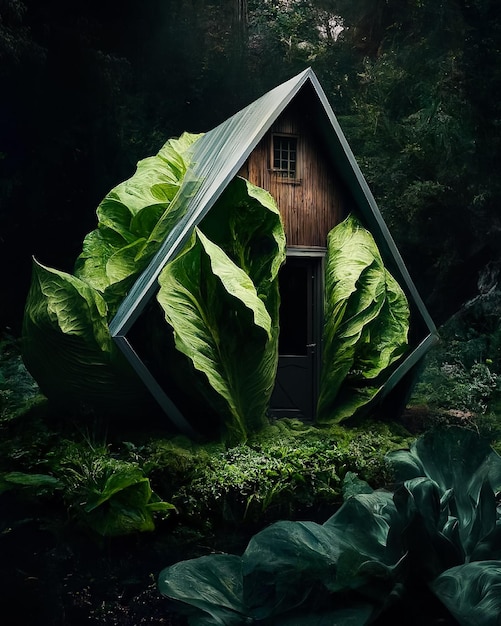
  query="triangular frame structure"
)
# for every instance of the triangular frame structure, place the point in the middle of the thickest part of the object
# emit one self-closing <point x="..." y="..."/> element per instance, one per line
<point x="215" y="159"/>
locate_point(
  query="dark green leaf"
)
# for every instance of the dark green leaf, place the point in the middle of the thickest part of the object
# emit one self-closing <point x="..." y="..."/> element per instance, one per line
<point x="466" y="471"/>
<point x="208" y="588"/>
<point x="67" y="346"/>
<point x="353" y="485"/>
<point x="472" y="592"/>
<point x="36" y="482"/>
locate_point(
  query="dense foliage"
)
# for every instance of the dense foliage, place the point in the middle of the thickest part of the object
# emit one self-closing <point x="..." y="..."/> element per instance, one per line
<point x="54" y="469"/>
<point x="118" y="482"/>
<point x="88" y="90"/>
<point x="379" y="557"/>
<point x="460" y="381"/>
<point x="221" y="298"/>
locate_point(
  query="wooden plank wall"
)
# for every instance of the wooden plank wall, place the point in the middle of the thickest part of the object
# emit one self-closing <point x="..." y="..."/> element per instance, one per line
<point x="312" y="206"/>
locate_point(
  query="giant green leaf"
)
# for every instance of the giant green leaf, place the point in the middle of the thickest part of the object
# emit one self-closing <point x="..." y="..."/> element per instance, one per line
<point x="464" y="464"/>
<point x="292" y="570"/>
<point x="67" y="346"/>
<point x="246" y="223"/>
<point x="224" y="304"/>
<point x="129" y="214"/>
<point x="423" y="531"/>
<point x="221" y="298"/>
<point x="98" y="247"/>
<point x="379" y="552"/>
<point x="366" y="322"/>
<point x="284" y="562"/>
<point x="209" y="589"/>
<point x="217" y="317"/>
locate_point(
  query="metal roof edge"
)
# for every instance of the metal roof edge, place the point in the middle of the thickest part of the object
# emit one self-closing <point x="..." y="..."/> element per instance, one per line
<point x="408" y="363"/>
<point x="154" y="388"/>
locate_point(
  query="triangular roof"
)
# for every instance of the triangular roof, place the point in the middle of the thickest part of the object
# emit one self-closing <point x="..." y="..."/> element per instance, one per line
<point x="215" y="159"/>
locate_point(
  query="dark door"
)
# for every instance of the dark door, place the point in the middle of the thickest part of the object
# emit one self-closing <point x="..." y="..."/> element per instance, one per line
<point x="296" y="386"/>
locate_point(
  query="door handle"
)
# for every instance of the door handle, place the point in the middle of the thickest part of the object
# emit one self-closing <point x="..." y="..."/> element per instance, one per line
<point x="311" y="345"/>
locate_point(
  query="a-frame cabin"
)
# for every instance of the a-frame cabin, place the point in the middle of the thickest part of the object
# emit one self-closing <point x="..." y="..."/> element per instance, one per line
<point x="290" y="143"/>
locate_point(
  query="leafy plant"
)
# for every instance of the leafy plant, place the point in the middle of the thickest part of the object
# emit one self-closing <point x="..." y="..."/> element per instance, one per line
<point x="238" y="249"/>
<point x="366" y="322"/>
<point x="471" y="591"/>
<point x="220" y="295"/>
<point x="38" y="483"/>
<point x="380" y="553"/>
<point x="133" y="219"/>
<point x="110" y="496"/>
<point x="288" y="469"/>
<point x="461" y="375"/>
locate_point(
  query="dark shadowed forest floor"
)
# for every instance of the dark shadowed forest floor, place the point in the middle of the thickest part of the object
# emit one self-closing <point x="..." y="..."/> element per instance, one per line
<point x="51" y="580"/>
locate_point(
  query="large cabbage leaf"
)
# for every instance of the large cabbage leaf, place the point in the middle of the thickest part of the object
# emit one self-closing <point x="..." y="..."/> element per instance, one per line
<point x="67" y="346"/>
<point x="295" y="572"/>
<point x="222" y="300"/>
<point x="119" y="248"/>
<point x="209" y="588"/>
<point x="375" y="560"/>
<point x="366" y="322"/>
<point x="460" y="462"/>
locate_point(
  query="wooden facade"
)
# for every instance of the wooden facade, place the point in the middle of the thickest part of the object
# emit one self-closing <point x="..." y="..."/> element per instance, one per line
<point x="313" y="202"/>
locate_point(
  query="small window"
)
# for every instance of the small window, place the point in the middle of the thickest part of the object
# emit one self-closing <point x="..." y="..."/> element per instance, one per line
<point x="284" y="156"/>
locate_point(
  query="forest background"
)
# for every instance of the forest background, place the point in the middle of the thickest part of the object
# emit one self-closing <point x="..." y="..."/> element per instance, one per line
<point x="89" y="88"/>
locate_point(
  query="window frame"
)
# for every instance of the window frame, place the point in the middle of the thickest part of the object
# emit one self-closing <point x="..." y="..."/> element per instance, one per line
<point x="278" y="171"/>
